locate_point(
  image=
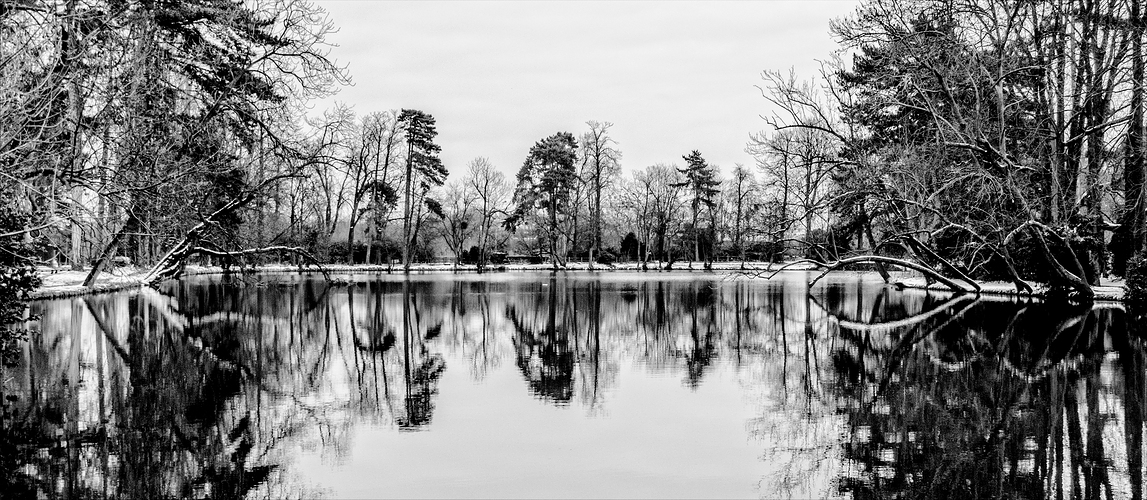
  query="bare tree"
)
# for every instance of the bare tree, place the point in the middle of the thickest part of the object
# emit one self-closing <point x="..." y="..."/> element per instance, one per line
<point x="656" y="198"/>
<point x="740" y="191"/>
<point x="800" y="163"/>
<point x="458" y="221"/>
<point x="493" y="193"/>
<point x="373" y="192"/>
<point x="336" y="173"/>
<point x="601" y="163"/>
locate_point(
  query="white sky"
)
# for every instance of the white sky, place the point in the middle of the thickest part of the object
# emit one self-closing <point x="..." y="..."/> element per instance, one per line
<point x="672" y="76"/>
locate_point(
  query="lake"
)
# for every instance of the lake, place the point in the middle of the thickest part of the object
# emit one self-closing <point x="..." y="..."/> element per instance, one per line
<point x="666" y="385"/>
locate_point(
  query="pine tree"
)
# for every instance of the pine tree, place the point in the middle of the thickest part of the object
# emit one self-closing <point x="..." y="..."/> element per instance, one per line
<point x="545" y="181"/>
<point x="423" y="165"/>
<point x="701" y="182"/>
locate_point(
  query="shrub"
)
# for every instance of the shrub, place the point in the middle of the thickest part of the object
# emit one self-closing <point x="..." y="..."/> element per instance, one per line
<point x="606" y="258"/>
<point x="630" y="247"/>
<point x="833" y="240"/>
<point x="17" y="276"/>
<point x="471" y="256"/>
<point x="498" y="258"/>
<point x="1137" y="282"/>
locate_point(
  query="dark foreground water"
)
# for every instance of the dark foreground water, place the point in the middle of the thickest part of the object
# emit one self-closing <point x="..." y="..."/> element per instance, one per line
<point x="580" y="385"/>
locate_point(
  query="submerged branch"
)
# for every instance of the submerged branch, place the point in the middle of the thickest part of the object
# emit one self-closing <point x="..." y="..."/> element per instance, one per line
<point x="879" y="259"/>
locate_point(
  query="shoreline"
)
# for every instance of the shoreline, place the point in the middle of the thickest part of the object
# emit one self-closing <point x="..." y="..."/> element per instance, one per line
<point x="68" y="283"/>
<point x="61" y="283"/>
<point x="1106" y="291"/>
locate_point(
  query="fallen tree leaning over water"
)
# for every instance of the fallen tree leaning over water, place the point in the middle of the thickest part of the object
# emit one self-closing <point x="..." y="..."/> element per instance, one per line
<point x="172" y="263"/>
<point x="879" y="259"/>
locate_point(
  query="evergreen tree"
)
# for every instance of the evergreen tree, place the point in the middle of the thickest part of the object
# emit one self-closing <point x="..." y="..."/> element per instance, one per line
<point x="423" y="166"/>
<point x="701" y="183"/>
<point x="544" y="182"/>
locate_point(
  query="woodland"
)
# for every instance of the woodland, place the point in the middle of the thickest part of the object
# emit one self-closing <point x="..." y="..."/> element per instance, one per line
<point x="976" y="139"/>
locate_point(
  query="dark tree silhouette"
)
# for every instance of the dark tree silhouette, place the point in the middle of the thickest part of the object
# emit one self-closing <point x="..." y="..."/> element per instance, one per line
<point x="544" y="182"/>
<point x="701" y="183"/>
<point x="422" y="165"/>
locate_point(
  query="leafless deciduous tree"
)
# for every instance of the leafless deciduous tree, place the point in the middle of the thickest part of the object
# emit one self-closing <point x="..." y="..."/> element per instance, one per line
<point x="741" y="205"/>
<point x="601" y="164"/>
<point x="654" y="200"/>
<point x="493" y="198"/>
<point x="459" y="214"/>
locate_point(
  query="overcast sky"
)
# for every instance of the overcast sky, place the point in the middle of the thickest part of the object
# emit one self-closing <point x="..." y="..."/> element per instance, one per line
<point x="672" y="76"/>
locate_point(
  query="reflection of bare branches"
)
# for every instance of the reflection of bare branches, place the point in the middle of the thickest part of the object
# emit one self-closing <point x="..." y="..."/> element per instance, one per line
<point x="909" y="321"/>
<point x="483" y="359"/>
<point x="911" y="338"/>
<point x="850" y="378"/>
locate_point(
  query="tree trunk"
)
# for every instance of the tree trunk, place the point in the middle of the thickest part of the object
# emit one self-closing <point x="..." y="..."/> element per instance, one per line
<point x="77" y="259"/>
<point x="710" y="237"/>
<point x="1133" y="171"/>
<point x="571" y="242"/>
<point x="109" y="251"/>
<point x="878" y="259"/>
<point x="372" y="230"/>
<point x="416" y="215"/>
<point x="261" y="218"/>
<point x="350" y="240"/>
<point x="102" y="208"/>
<point x="596" y="251"/>
<point x="1061" y="126"/>
<point x="740" y="240"/>
<point x="484" y="238"/>
<point x="553" y="236"/>
<point x="71" y="59"/>
<point x="696" y="236"/>
<point x="407" y="212"/>
<point x="660" y="251"/>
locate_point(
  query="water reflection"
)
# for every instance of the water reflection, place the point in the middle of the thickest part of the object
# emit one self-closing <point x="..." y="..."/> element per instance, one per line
<point x="215" y="388"/>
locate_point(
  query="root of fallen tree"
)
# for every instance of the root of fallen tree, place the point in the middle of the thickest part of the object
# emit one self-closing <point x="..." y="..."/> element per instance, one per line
<point x="171" y="266"/>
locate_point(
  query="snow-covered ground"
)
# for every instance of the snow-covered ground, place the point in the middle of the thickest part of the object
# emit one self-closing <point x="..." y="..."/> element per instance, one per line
<point x="1108" y="290"/>
<point x="66" y="282"/>
<point x="62" y="282"/>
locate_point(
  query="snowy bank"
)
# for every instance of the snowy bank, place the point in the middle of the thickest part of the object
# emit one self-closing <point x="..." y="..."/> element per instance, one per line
<point x="66" y="283"/>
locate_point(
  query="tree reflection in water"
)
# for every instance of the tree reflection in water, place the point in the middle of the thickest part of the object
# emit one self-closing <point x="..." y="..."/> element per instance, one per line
<point x="210" y="388"/>
<point x="990" y="400"/>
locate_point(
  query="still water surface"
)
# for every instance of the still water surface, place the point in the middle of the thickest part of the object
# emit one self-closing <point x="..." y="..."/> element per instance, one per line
<point x="576" y="385"/>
